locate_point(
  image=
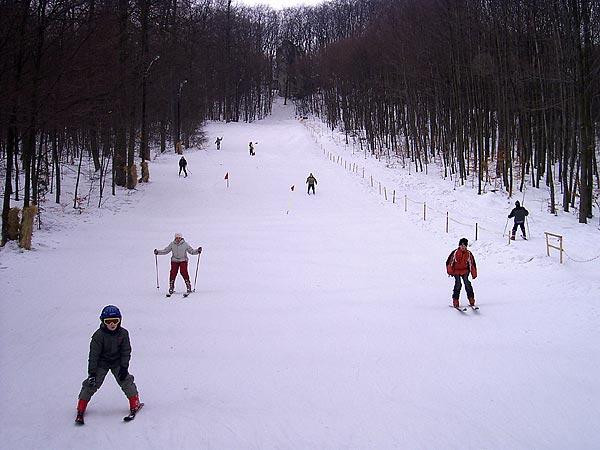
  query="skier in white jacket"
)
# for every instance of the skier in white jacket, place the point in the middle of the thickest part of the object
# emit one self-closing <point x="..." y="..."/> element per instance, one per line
<point x="179" y="260"/>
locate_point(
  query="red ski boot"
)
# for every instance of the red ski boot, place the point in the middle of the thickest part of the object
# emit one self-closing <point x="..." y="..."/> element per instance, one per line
<point x="81" y="405"/>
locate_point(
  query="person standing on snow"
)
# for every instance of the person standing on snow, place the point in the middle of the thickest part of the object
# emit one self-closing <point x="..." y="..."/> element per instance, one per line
<point x="251" y="148"/>
<point x="311" y="180"/>
<point x="519" y="213"/>
<point x="182" y="166"/>
<point x="459" y="264"/>
<point x="218" y="142"/>
<point x="110" y="350"/>
<point x="179" y="260"/>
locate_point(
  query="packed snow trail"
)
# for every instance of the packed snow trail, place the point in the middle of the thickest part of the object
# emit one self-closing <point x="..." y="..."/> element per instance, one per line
<point x="317" y="322"/>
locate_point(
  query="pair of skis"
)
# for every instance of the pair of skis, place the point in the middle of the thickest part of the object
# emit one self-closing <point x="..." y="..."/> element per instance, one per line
<point x="464" y="309"/>
<point x="128" y="418"/>
<point x="185" y="294"/>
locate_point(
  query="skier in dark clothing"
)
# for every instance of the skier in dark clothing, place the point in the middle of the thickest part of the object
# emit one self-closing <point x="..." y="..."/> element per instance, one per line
<point x="459" y="264"/>
<point x="110" y="350"/>
<point x="218" y="142"/>
<point x="311" y="181"/>
<point x="519" y="213"/>
<point x="182" y="166"/>
<point x="251" y="148"/>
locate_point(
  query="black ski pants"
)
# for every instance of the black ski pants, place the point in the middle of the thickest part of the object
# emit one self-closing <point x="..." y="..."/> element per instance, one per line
<point x="184" y="171"/>
<point x="516" y="225"/>
<point x="458" y="286"/>
<point x="311" y="186"/>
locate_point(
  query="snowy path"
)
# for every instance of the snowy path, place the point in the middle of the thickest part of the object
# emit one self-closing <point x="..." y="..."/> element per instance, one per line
<point x="317" y="322"/>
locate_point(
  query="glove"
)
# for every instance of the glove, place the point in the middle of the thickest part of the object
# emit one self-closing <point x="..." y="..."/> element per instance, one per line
<point x="155" y="252"/>
<point x="123" y="373"/>
<point x="199" y="249"/>
<point x="91" y="380"/>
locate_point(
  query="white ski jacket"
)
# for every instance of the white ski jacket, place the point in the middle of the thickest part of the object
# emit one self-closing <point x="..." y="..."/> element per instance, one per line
<point x="179" y="251"/>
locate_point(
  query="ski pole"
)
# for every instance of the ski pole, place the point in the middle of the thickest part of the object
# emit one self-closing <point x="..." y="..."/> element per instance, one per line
<point x="527" y="223"/>
<point x="156" y="260"/>
<point x="196" y="277"/>
<point x="504" y="232"/>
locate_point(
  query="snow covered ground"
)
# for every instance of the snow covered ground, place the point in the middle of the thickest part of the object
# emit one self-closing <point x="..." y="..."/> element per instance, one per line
<point x="317" y="322"/>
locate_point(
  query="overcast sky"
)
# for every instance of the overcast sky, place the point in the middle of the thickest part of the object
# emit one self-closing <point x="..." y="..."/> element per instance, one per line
<point x="280" y="3"/>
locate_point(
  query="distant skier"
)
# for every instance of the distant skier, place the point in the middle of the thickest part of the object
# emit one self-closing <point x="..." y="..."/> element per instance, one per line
<point x="179" y="260"/>
<point x="182" y="166"/>
<point x="218" y="142"/>
<point x="459" y="264"/>
<point x="110" y="350"/>
<point x="311" y="181"/>
<point x="519" y="213"/>
<point x="251" y="148"/>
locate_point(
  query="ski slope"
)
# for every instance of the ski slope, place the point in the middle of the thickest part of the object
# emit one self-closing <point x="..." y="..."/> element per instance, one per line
<point x="317" y="322"/>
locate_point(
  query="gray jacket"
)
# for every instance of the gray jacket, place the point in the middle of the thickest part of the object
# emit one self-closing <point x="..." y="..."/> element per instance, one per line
<point x="179" y="251"/>
<point x="109" y="349"/>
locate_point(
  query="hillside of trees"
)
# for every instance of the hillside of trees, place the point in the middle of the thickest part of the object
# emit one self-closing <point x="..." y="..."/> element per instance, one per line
<point x="505" y="90"/>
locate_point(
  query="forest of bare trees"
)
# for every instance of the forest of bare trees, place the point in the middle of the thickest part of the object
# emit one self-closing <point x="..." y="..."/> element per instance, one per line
<point x="503" y="91"/>
<point x="101" y="79"/>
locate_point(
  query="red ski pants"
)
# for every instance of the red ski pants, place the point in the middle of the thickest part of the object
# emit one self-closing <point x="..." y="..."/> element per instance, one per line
<point x="179" y="266"/>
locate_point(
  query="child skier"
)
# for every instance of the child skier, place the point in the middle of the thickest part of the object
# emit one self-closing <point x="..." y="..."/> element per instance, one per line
<point x="182" y="166"/>
<point x="251" y="148"/>
<point x="519" y="213"/>
<point x="459" y="264"/>
<point x="218" y="142"/>
<point x="311" y="180"/>
<point x="179" y="260"/>
<point x="110" y="350"/>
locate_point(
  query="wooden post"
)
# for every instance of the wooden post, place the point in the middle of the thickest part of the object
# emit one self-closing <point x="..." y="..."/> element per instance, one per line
<point x="446" y="221"/>
<point x="385" y="192"/>
<point x="394" y="196"/>
<point x="424" y="211"/>
<point x="561" y="248"/>
<point x="476" y="230"/>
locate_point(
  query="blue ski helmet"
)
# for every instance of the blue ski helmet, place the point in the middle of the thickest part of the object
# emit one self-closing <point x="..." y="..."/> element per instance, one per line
<point x="110" y="311"/>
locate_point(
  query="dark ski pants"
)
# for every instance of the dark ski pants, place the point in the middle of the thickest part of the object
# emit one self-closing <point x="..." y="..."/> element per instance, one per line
<point x="184" y="171"/>
<point x="127" y="385"/>
<point x="514" y="230"/>
<point x="311" y="186"/>
<point x="179" y="266"/>
<point x="458" y="286"/>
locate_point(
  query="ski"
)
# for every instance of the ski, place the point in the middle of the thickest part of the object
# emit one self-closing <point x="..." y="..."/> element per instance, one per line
<point x="131" y="415"/>
<point x="79" y="419"/>
<point x="458" y="308"/>
<point x="168" y="295"/>
<point x="474" y="308"/>
<point x="185" y="294"/>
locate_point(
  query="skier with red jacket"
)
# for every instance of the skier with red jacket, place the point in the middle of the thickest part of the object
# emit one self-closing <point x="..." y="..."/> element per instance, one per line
<point x="459" y="264"/>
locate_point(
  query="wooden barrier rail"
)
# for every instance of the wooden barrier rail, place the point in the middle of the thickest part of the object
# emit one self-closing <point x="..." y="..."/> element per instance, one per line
<point x="549" y="245"/>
